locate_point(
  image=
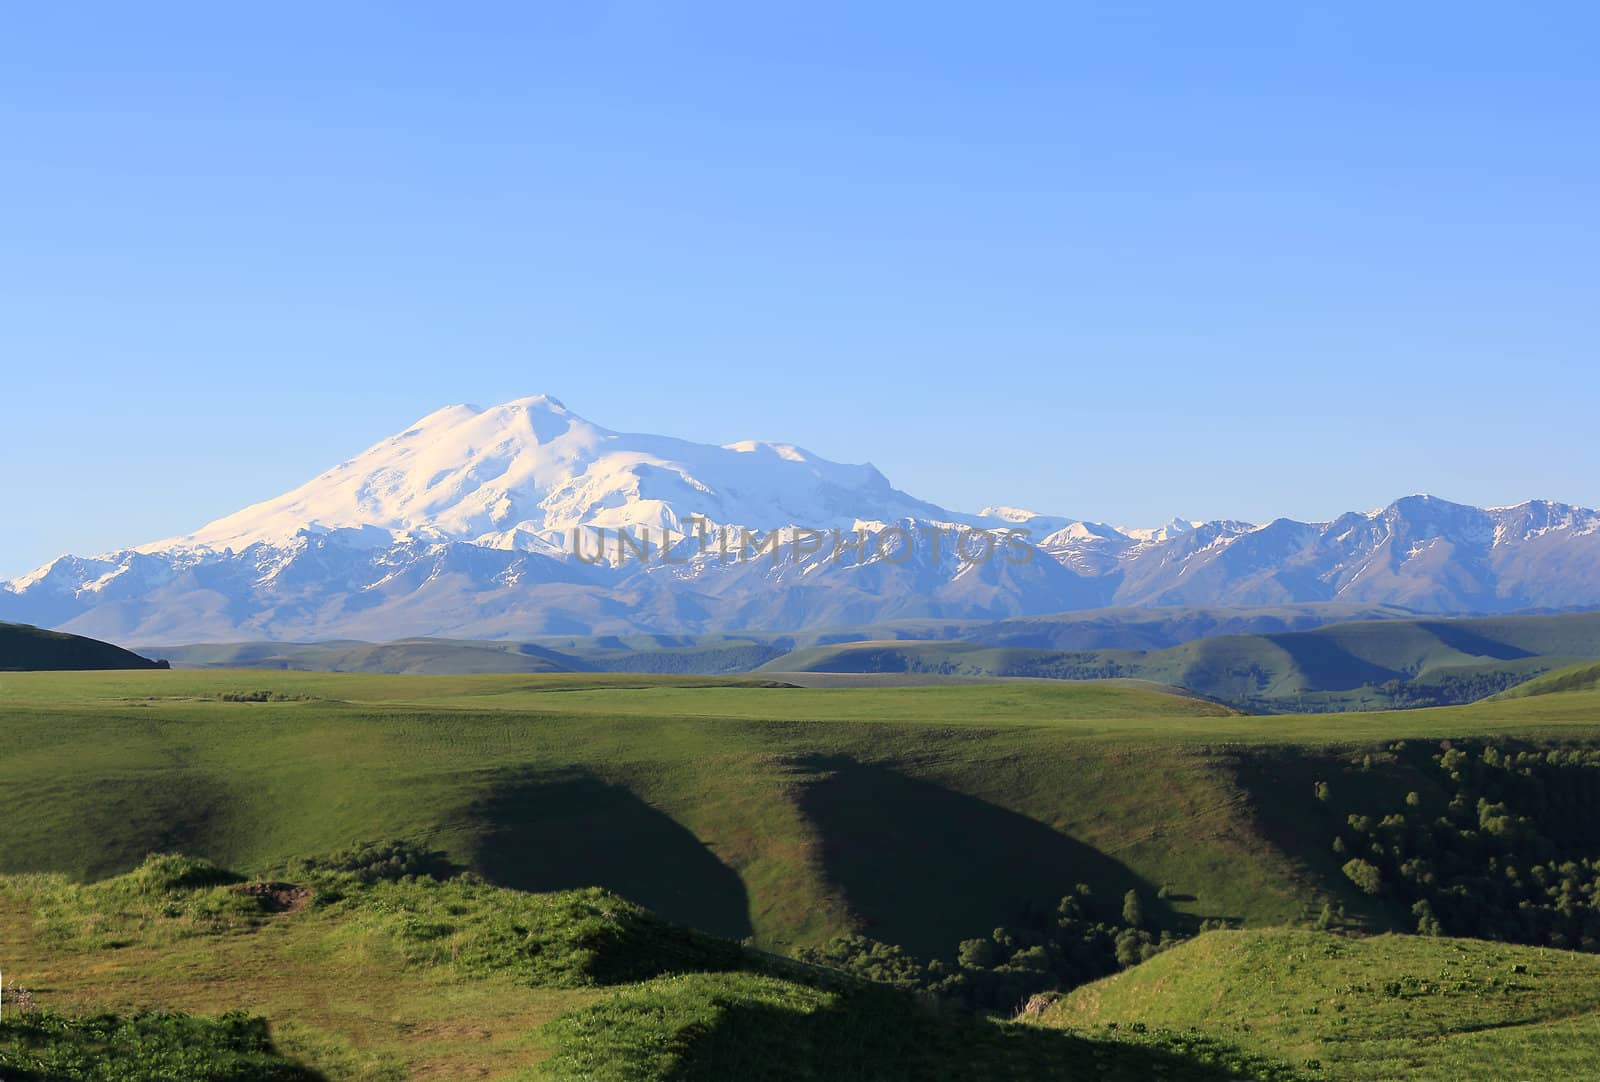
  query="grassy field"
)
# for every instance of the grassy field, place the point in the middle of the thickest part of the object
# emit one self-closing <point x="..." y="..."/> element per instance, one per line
<point x="1378" y="1008"/>
<point x="784" y="816"/>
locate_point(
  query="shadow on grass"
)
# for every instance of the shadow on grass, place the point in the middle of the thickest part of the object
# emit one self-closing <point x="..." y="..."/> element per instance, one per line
<point x="44" y="1047"/>
<point x="95" y="827"/>
<point x="861" y="1038"/>
<point x="1281" y="784"/>
<point x="557" y="831"/>
<point x="705" y="1027"/>
<point x="1327" y="666"/>
<point x="924" y="867"/>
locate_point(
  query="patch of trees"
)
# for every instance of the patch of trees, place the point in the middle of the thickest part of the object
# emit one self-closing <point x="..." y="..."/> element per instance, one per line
<point x="1077" y="665"/>
<point x="1043" y="950"/>
<point x="1450" y="689"/>
<point x="1512" y="855"/>
<point x="389" y="861"/>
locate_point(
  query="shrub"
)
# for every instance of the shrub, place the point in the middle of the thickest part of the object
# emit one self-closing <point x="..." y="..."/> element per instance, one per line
<point x="390" y="861"/>
<point x="1364" y="874"/>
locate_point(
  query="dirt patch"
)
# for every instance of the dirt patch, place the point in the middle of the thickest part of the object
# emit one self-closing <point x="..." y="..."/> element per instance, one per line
<point x="442" y="1031"/>
<point x="448" y="1070"/>
<point x="277" y="897"/>
<point x="1037" y="1004"/>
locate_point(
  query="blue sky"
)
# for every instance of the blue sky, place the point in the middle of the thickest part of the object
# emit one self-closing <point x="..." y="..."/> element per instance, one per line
<point x="1116" y="260"/>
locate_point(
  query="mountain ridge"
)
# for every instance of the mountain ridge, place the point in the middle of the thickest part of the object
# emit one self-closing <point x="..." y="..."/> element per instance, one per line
<point x="525" y="519"/>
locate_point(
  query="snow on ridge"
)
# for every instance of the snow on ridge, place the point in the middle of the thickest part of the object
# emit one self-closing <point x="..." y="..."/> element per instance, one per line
<point x="531" y="468"/>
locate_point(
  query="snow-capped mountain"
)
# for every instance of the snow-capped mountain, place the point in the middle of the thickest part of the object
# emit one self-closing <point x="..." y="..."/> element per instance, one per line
<point x="522" y="475"/>
<point x="505" y="522"/>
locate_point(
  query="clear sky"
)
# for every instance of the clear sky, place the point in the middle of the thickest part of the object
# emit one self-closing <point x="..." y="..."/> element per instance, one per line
<point x="1120" y="261"/>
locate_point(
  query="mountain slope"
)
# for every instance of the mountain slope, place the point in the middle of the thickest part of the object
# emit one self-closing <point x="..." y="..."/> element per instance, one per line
<point x="31" y="649"/>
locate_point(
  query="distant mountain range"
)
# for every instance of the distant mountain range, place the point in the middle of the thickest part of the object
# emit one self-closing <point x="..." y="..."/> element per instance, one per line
<point x="526" y="520"/>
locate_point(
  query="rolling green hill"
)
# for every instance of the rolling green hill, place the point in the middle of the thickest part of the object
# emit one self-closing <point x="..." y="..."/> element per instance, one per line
<point x="1584" y="677"/>
<point x="447" y="657"/>
<point x="713" y="654"/>
<point x="24" y="648"/>
<point x="365" y="973"/>
<point x="1385" y="1007"/>
<point x="688" y="655"/>
<point x="979" y="843"/>
<point x="1367" y="665"/>
<point x="790" y="815"/>
<point x="733" y="808"/>
<point x="1371" y="664"/>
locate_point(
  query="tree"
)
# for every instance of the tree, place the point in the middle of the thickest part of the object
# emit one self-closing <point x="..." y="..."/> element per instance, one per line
<point x="1364" y="875"/>
<point x="978" y="953"/>
<point x="1132" y="911"/>
<point x="1427" y="923"/>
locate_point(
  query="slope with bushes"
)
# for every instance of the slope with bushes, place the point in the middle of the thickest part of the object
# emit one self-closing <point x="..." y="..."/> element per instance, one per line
<point x="375" y="972"/>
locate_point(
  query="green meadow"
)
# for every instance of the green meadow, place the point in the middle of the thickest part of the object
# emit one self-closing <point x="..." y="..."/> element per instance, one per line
<point x="1379" y="1008"/>
<point x="921" y="818"/>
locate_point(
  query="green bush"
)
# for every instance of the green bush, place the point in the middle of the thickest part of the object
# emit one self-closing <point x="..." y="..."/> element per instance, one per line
<point x="370" y="862"/>
<point x="159" y="1047"/>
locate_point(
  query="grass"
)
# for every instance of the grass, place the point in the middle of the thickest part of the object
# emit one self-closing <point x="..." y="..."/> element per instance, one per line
<point x="784" y="814"/>
<point x="1584" y="677"/>
<point x="153" y="1047"/>
<point x="918" y="816"/>
<point x="355" y="989"/>
<point x="418" y="978"/>
<point x="1375" y="1008"/>
<point x="572" y="939"/>
<point x="700" y="1028"/>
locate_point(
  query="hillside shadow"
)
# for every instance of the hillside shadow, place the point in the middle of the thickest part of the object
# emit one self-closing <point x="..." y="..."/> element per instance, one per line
<point x="94" y="826"/>
<point x="1280" y="784"/>
<point x="877" y="1036"/>
<point x="1327" y="666"/>
<point x="558" y="831"/>
<point x="52" y="1048"/>
<point x="924" y="867"/>
<point x="1470" y="642"/>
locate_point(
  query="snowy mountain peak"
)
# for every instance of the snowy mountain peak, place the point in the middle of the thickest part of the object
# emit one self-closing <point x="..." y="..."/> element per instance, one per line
<point x="522" y="474"/>
<point x="1165" y="532"/>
